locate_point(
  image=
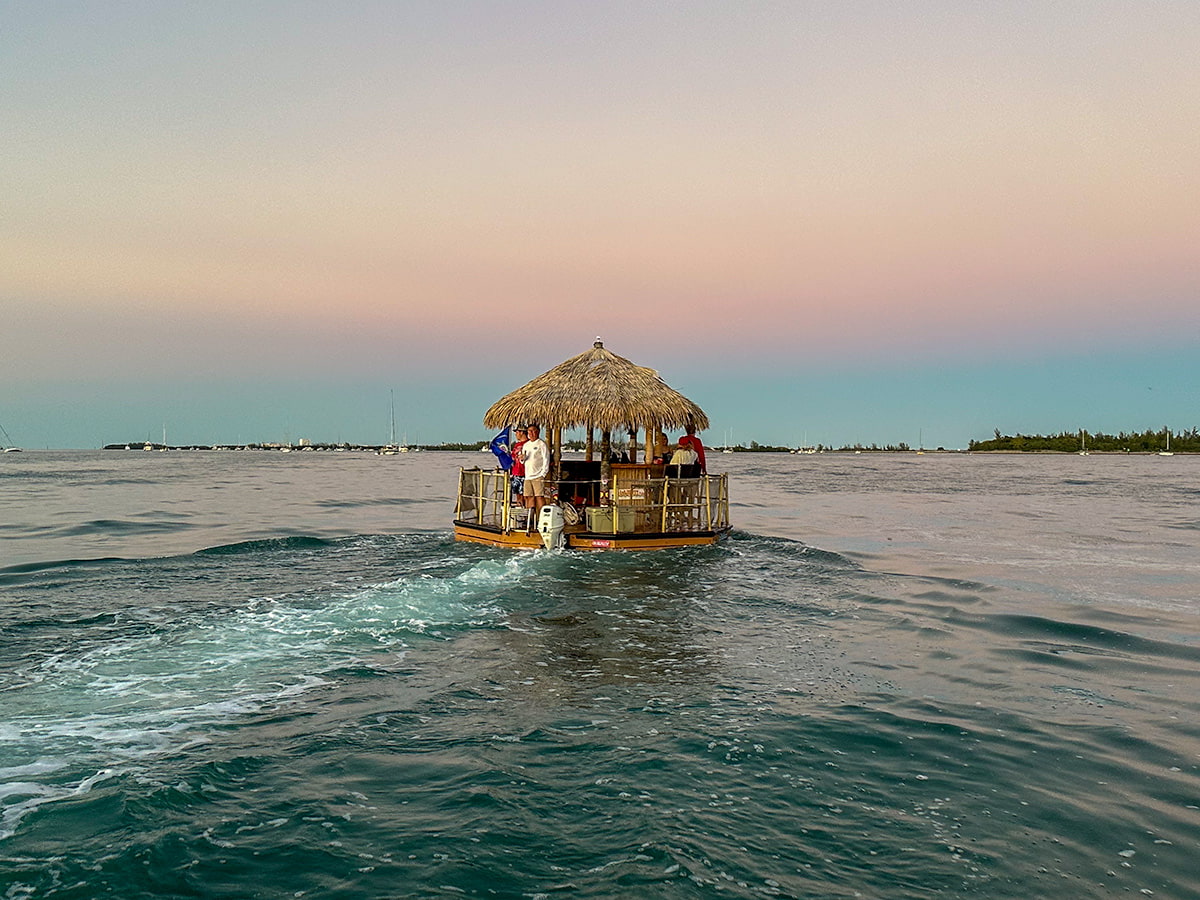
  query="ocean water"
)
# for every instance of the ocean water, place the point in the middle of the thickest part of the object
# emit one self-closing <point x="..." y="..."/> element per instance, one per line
<point x="275" y="675"/>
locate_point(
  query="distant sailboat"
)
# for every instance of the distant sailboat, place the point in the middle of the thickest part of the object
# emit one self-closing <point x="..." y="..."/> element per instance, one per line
<point x="1083" y="450"/>
<point x="1167" y="452"/>
<point x="392" y="448"/>
<point x="8" y="444"/>
<point x="805" y="448"/>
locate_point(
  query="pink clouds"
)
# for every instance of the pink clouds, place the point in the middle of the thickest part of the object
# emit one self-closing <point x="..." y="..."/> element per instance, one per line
<point x="794" y="180"/>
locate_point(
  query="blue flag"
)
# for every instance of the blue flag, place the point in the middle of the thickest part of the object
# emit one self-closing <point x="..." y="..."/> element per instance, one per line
<point x="500" y="444"/>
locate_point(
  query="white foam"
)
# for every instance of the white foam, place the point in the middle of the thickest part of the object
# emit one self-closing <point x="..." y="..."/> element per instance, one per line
<point x="12" y="814"/>
<point x="78" y="717"/>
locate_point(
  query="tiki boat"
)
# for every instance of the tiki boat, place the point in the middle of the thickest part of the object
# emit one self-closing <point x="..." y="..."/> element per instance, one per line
<point x="595" y="503"/>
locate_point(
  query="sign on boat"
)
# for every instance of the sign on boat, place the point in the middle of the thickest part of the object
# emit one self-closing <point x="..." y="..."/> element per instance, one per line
<point x="596" y="503"/>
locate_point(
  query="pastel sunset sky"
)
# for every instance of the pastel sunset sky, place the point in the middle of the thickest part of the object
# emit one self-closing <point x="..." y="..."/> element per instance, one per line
<point x="828" y="222"/>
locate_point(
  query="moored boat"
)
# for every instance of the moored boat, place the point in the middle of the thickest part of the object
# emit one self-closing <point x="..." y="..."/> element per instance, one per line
<point x="597" y="503"/>
<point x="1167" y="451"/>
<point x="8" y="446"/>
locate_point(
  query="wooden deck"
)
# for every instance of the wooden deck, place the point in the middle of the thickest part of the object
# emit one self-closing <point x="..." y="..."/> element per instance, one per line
<point x="578" y="539"/>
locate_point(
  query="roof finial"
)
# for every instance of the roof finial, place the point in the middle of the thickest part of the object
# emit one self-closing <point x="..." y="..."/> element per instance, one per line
<point x="599" y="343"/>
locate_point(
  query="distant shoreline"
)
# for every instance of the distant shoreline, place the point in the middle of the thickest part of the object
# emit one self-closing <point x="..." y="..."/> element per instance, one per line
<point x="386" y="450"/>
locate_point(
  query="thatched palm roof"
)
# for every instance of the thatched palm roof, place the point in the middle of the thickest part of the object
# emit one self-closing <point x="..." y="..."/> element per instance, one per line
<point x="597" y="389"/>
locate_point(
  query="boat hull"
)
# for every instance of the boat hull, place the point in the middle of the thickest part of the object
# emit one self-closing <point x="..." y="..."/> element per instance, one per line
<point x="585" y="540"/>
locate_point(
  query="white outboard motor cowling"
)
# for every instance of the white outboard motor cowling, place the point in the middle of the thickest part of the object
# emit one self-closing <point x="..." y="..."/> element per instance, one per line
<point x="550" y="526"/>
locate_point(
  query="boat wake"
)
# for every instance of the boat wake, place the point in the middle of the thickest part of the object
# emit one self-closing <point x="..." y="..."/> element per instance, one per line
<point x="136" y="684"/>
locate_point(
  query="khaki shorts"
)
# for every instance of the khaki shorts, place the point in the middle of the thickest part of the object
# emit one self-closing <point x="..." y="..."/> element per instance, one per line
<point x="535" y="487"/>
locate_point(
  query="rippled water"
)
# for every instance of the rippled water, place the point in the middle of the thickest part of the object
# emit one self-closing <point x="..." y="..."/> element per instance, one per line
<point x="268" y="675"/>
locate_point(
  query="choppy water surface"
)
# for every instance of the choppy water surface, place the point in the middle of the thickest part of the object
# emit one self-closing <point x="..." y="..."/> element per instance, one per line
<point x="267" y="675"/>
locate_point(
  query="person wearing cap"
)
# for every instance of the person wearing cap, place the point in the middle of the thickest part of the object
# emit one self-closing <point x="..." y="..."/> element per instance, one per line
<point x="518" y="464"/>
<point x="536" y="457"/>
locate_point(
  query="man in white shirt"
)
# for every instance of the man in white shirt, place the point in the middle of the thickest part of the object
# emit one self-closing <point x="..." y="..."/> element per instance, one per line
<point x="536" y="456"/>
<point x="686" y="490"/>
<point x="685" y="455"/>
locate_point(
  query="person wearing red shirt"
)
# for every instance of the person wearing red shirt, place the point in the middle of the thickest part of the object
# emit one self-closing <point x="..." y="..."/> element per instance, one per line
<point x="691" y="439"/>
<point x="518" y="464"/>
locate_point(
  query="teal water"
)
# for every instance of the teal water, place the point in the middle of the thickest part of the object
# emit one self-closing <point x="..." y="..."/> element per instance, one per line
<point x="272" y="676"/>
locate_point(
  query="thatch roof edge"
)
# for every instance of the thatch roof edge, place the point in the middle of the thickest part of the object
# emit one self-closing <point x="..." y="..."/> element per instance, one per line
<point x="597" y="389"/>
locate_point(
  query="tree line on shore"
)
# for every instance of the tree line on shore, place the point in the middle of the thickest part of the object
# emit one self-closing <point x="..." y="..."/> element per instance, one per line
<point x="1064" y="442"/>
<point x="1094" y="442"/>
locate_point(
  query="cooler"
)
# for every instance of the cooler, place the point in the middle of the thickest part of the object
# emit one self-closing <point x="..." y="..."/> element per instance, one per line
<point x="600" y="519"/>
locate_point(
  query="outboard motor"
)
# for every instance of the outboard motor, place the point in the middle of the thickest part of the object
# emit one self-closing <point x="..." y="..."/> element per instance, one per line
<point x="550" y="526"/>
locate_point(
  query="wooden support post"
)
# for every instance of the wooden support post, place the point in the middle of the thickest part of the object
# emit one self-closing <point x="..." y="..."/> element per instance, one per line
<point x="708" y="516"/>
<point x="605" y="459"/>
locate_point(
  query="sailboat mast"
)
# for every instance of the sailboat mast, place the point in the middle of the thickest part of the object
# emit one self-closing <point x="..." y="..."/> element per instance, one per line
<point x="392" y="398"/>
